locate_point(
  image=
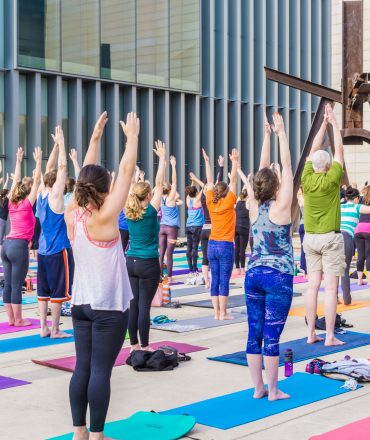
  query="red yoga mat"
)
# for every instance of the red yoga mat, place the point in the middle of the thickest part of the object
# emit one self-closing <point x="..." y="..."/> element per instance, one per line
<point x="6" y="328"/>
<point x="358" y="430"/>
<point x="69" y="363"/>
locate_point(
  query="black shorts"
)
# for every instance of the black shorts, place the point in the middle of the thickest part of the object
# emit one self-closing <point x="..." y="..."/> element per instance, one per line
<point x="55" y="276"/>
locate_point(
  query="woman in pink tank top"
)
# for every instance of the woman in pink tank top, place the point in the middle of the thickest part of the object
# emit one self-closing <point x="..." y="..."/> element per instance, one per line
<point x="101" y="287"/>
<point x="15" y="253"/>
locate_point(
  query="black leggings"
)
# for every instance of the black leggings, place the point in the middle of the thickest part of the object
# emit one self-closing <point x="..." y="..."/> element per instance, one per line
<point x="204" y="238"/>
<point x="15" y="256"/>
<point x="166" y="247"/>
<point x="144" y="276"/>
<point x="193" y="238"/>
<point x="241" y="243"/>
<point x="362" y="240"/>
<point x="99" y="337"/>
<point x="124" y="238"/>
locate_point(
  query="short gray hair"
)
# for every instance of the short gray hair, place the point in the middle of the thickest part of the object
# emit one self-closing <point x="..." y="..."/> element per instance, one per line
<point x="321" y="160"/>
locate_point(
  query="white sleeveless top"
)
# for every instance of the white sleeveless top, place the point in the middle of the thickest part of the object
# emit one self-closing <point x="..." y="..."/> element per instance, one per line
<point x="100" y="279"/>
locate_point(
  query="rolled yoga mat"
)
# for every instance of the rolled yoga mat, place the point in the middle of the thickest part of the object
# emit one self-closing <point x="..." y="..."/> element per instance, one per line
<point x="34" y="341"/>
<point x="9" y="382"/>
<point x="303" y="351"/>
<point x="230" y="410"/>
<point x="69" y="363"/>
<point x="146" y="426"/>
<point x="188" y="325"/>
<point x="6" y="328"/>
<point x="359" y="430"/>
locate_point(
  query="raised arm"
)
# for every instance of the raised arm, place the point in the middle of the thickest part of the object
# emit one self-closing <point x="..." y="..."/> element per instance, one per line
<point x="195" y="179"/>
<point x="338" y="141"/>
<point x="173" y="192"/>
<point x="117" y="198"/>
<point x="209" y="174"/>
<point x="60" y="182"/>
<point x="285" y="194"/>
<point x="6" y="181"/>
<point x="234" y="157"/>
<point x="52" y="163"/>
<point x="220" y="169"/>
<point x="160" y="151"/>
<point x="92" y="153"/>
<point x="37" y="156"/>
<point x="266" y="146"/>
<point x="320" y="136"/>
<point x="17" y="177"/>
<point x="242" y="176"/>
<point x="74" y="158"/>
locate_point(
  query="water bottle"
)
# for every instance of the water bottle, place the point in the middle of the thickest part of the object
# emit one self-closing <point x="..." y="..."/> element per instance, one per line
<point x="288" y="362"/>
<point x="165" y="271"/>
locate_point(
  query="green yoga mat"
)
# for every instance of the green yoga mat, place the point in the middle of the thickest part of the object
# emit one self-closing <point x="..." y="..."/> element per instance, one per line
<point x="145" y="426"/>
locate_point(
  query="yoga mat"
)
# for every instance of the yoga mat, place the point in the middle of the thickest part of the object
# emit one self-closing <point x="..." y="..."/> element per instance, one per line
<point x="234" y="301"/>
<point x="299" y="279"/>
<point x="359" y="430"/>
<point x="34" y="341"/>
<point x="8" y="382"/>
<point x="303" y="351"/>
<point x="69" y="363"/>
<point x="300" y="311"/>
<point x="6" y="328"/>
<point x="191" y="290"/>
<point x="188" y="325"/>
<point x="27" y="300"/>
<point x="146" y="426"/>
<point x="230" y="410"/>
<point x="354" y="288"/>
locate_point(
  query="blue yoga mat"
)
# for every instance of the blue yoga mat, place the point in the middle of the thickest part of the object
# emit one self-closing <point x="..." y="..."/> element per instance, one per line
<point x="303" y="351"/>
<point x="34" y="341"/>
<point x="230" y="410"/>
<point x="28" y="300"/>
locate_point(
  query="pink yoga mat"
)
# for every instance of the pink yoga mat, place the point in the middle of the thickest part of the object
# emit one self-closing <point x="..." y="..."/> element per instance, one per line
<point x="299" y="279"/>
<point x="69" y="363"/>
<point x="8" y="382"/>
<point x="6" y="328"/>
<point x="358" y="430"/>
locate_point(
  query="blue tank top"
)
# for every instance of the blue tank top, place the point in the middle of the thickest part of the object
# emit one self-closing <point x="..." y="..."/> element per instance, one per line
<point x="195" y="215"/>
<point x="272" y="244"/>
<point x="122" y="222"/>
<point x="53" y="237"/>
<point x="170" y="215"/>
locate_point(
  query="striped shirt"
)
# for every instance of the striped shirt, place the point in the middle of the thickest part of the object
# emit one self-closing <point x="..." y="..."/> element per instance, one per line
<point x="350" y="215"/>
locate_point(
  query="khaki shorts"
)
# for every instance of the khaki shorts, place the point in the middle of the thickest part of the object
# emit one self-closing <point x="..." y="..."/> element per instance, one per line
<point x="325" y="253"/>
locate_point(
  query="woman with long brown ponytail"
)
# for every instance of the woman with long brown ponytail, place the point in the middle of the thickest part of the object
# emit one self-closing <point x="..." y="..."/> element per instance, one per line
<point x="142" y="256"/>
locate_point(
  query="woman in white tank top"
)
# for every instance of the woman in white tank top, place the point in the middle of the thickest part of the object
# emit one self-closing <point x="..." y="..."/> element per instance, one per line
<point x="101" y="288"/>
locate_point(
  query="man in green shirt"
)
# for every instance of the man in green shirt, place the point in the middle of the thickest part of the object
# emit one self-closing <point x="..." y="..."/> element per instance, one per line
<point x="323" y="243"/>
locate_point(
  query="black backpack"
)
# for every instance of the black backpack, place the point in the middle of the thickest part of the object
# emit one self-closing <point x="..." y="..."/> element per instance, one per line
<point x="157" y="360"/>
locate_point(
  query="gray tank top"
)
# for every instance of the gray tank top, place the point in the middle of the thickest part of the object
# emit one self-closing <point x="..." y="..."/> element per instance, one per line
<point x="272" y="243"/>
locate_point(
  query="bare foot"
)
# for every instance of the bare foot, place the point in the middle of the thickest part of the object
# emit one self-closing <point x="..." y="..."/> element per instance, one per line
<point x="217" y="317"/>
<point x="333" y="341"/>
<point x="278" y="395"/>
<point x="359" y="282"/>
<point x="238" y="271"/>
<point x="22" y="323"/>
<point x="10" y="323"/>
<point x="206" y="284"/>
<point x="260" y="394"/>
<point x="45" y="332"/>
<point x="226" y="318"/>
<point x="243" y="270"/>
<point x="81" y="434"/>
<point x="339" y="301"/>
<point x="147" y="348"/>
<point x="60" y="335"/>
<point x="135" y="347"/>
<point x="314" y="338"/>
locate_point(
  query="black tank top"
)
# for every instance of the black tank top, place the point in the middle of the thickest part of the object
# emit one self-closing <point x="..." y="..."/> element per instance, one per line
<point x="365" y="218"/>
<point x="242" y="215"/>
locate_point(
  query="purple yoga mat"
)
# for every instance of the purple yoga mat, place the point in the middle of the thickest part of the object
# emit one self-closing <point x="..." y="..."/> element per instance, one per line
<point x="6" y="328"/>
<point x="354" y="287"/>
<point x="69" y="363"/>
<point x="8" y="382"/>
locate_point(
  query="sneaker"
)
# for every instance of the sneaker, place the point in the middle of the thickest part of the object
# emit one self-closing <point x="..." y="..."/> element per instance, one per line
<point x="190" y="280"/>
<point x="199" y="279"/>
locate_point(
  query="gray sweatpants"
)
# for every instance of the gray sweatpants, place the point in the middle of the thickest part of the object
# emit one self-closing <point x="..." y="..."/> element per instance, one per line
<point x="349" y="248"/>
<point x="15" y="256"/>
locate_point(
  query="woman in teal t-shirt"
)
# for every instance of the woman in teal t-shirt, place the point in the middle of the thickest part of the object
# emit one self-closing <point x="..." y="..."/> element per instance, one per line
<point x="142" y="256"/>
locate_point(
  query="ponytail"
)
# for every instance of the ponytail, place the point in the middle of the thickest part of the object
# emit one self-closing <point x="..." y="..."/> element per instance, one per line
<point x="134" y="209"/>
<point x="220" y="191"/>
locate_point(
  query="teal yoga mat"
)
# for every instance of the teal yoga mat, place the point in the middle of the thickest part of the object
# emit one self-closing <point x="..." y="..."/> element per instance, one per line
<point x="230" y="410"/>
<point x="34" y="341"/>
<point x="27" y="300"/>
<point x="146" y="426"/>
<point x="303" y="351"/>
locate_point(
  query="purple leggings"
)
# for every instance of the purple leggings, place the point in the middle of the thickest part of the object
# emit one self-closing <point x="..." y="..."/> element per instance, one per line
<point x="167" y="233"/>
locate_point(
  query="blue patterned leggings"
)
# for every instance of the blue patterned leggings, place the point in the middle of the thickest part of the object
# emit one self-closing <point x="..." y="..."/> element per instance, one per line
<point x="221" y="262"/>
<point x="269" y="295"/>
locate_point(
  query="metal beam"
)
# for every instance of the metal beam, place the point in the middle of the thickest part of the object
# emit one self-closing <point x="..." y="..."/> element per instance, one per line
<point x="303" y="85"/>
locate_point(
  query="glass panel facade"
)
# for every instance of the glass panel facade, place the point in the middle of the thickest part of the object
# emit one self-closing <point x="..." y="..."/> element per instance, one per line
<point x="39" y="34"/>
<point x="184" y="44"/>
<point x="45" y="135"/>
<point x="117" y="47"/>
<point x="80" y="37"/>
<point x="2" y="150"/>
<point x="23" y="113"/>
<point x="1" y="33"/>
<point x="152" y="42"/>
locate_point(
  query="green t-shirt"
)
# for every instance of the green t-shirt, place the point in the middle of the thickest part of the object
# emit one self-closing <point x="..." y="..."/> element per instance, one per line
<point x="144" y="235"/>
<point x="321" y="193"/>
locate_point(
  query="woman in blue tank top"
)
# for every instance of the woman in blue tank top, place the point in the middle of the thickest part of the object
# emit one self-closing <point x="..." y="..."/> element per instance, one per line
<point x="170" y="222"/>
<point x="269" y="278"/>
<point x="194" y="225"/>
